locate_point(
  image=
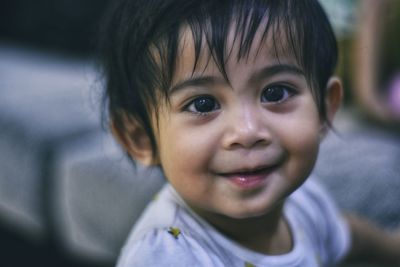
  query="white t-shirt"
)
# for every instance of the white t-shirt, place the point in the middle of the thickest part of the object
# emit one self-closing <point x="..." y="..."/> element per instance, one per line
<point x="170" y="234"/>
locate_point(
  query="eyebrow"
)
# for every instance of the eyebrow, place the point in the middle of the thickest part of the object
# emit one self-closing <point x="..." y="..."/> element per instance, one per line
<point x="273" y="70"/>
<point x="194" y="81"/>
<point x="267" y="71"/>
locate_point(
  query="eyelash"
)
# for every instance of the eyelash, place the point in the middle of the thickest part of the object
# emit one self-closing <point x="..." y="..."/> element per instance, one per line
<point x="209" y="102"/>
<point x="287" y="92"/>
<point x="191" y="106"/>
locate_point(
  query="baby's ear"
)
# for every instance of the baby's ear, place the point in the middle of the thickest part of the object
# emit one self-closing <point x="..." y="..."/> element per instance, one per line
<point x="134" y="138"/>
<point x="334" y="94"/>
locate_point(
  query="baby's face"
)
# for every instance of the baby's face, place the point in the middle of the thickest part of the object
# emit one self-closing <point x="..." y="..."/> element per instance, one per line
<point x="238" y="148"/>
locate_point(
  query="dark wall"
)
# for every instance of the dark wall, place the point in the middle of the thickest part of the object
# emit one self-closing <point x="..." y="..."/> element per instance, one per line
<point x="67" y="25"/>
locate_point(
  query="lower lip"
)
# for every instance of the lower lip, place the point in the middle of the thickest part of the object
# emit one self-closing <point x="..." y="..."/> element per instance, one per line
<point x="249" y="181"/>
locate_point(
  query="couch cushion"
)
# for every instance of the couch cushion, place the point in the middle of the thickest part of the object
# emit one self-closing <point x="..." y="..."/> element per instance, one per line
<point x="98" y="196"/>
<point x="360" y="166"/>
<point x="44" y="101"/>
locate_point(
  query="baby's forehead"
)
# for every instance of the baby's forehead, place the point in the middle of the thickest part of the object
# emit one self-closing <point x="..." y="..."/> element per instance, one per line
<point x="199" y="53"/>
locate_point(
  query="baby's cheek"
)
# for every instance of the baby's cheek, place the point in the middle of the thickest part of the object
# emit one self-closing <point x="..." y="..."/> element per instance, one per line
<point x="302" y="149"/>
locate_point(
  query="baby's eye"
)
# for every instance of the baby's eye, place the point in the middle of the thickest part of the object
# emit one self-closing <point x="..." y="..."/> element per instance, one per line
<point x="203" y="104"/>
<point x="276" y="94"/>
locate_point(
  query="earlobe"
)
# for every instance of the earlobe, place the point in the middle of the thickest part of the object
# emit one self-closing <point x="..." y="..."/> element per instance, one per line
<point x="134" y="139"/>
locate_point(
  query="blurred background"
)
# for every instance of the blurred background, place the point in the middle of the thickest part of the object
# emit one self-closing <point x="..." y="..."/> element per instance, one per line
<point x="69" y="195"/>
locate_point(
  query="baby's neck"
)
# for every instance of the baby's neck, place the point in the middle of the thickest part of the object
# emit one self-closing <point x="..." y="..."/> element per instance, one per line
<point x="274" y="240"/>
<point x="268" y="234"/>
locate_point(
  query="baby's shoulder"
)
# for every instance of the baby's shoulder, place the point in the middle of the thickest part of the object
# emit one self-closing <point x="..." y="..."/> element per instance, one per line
<point x="316" y="215"/>
<point x="314" y="210"/>
<point x="165" y="235"/>
<point x="169" y="246"/>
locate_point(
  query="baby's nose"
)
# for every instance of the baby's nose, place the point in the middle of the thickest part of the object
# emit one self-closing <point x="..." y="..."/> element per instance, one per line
<point x="246" y="128"/>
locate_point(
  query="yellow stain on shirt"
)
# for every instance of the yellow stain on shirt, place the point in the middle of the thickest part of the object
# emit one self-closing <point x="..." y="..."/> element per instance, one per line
<point x="175" y="232"/>
<point x="248" y="264"/>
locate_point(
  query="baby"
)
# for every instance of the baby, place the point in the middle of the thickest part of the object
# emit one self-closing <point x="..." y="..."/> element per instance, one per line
<point x="231" y="99"/>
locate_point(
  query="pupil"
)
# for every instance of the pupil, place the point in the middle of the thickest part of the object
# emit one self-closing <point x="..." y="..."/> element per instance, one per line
<point x="273" y="94"/>
<point x="204" y="104"/>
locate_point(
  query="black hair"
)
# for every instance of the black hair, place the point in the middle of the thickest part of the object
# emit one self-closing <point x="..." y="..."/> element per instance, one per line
<point x="141" y="38"/>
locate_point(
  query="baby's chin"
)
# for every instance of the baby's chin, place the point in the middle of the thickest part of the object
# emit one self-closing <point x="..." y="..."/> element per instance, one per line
<point x="255" y="213"/>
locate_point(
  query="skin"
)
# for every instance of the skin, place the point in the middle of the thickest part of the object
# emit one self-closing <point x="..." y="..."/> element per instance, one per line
<point x="237" y="162"/>
<point x="244" y="134"/>
<point x="366" y="53"/>
<point x="372" y="244"/>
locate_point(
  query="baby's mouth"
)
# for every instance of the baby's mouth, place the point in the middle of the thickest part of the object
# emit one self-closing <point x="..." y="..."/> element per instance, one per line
<point x="250" y="178"/>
